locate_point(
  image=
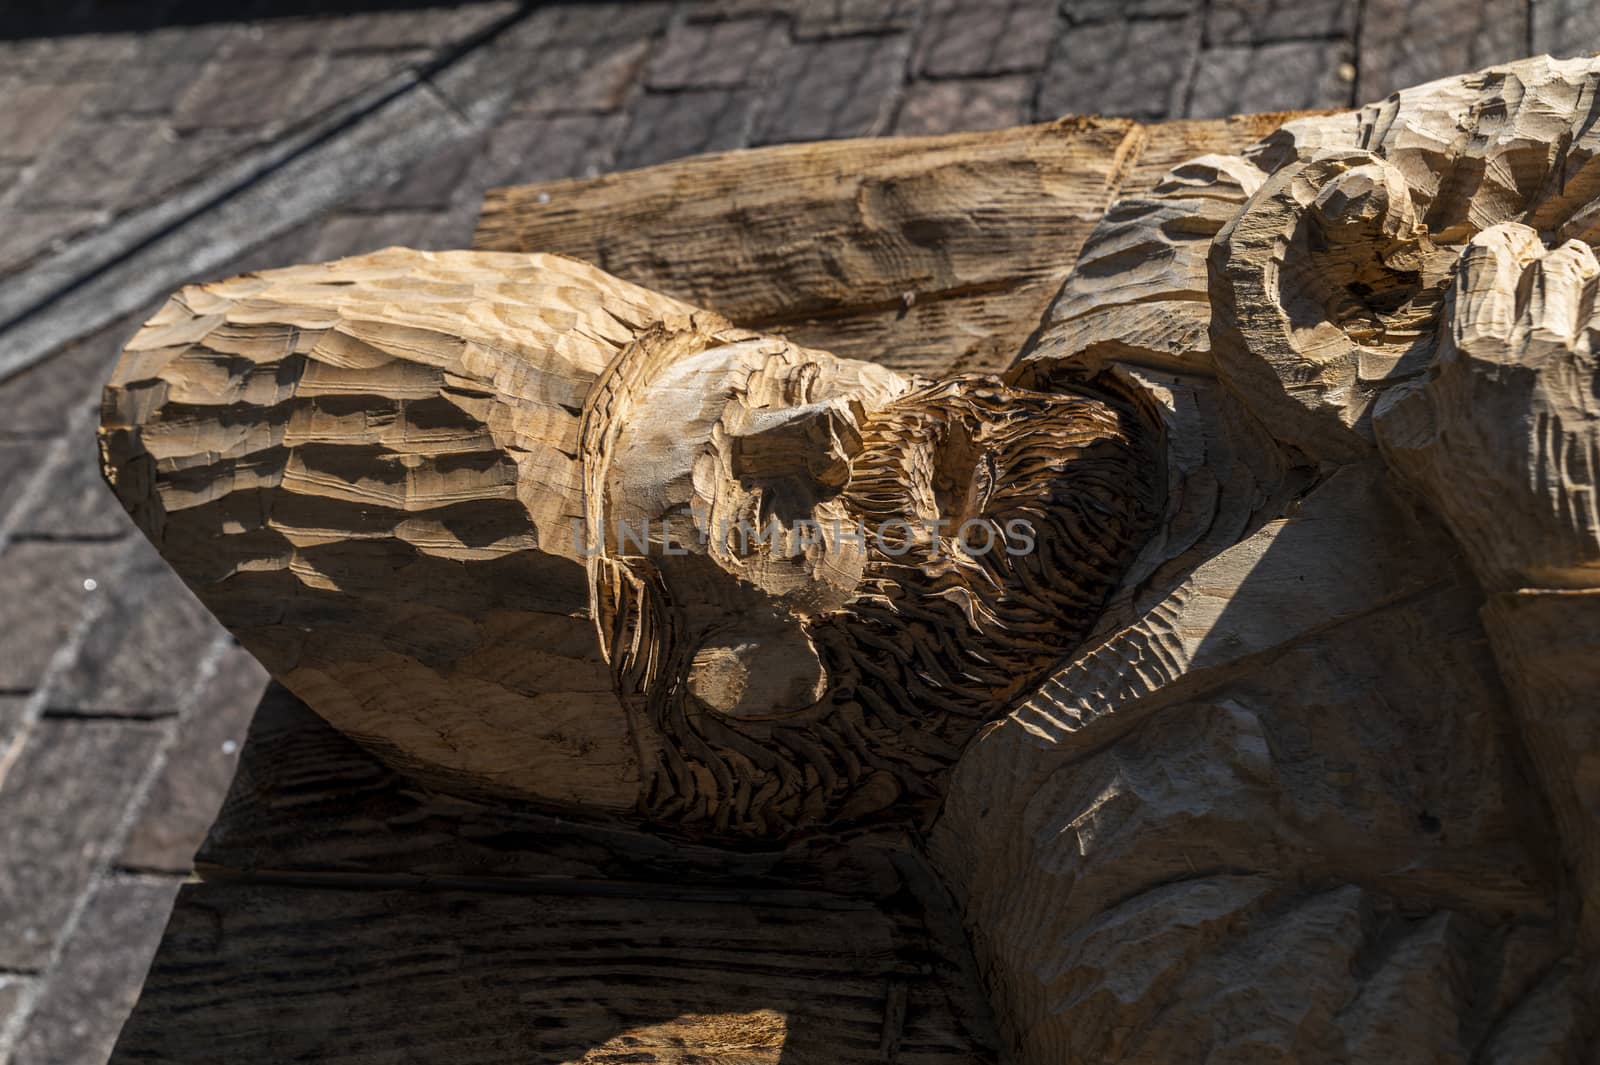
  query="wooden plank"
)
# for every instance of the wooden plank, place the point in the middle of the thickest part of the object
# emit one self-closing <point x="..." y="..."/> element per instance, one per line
<point x="308" y="802"/>
<point x="603" y="940"/>
<point x="929" y="254"/>
<point x="264" y="974"/>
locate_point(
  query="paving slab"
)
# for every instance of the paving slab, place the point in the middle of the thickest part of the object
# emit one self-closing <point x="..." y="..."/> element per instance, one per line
<point x="44" y="399"/>
<point x="358" y="233"/>
<point x="60" y="803"/>
<point x="840" y="87"/>
<point x="1138" y="69"/>
<point x="715" y="55"/>
<point x="1297" y="75"/>
<point x="846" y="18"/>
<point x="21" y="460"/>
<point x="1408" y="42"/>
<point x="143" y="650"/>
<point x="958" y="105"/>
<point x="960" y="39"/>
<point x="74" y="501"/>
<point x="95" y="983"/>
<point x="14" y="997"/>
<point x="1260" y="21"/>
<point x="244" y="91"/>
<point x="1566" y="27"/>
<point x="34" y="114"/>
<point x="185" y="797"/>
<point x="602" y="82"/>
<point x="13" y="722"/>
<point x="40" y="231"/>
<point x="432" y="183"/>
<point x="667" y="126"/>
<point x="47" y="593"/>
<point x="1079" y="12"/>
<point x="97" y="164"/>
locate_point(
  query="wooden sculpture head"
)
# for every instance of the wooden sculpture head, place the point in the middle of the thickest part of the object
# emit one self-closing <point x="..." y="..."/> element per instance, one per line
<point x="814" y="579"/>
<point x="527" y="529"/>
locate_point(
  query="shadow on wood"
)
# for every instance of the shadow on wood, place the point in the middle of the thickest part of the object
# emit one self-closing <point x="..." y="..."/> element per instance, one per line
<point x="349" y="918"/>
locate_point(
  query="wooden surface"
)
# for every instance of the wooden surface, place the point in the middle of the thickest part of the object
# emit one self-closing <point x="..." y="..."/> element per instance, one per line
<point x="347" y="917"/>
<point x="1293" y="677"/>
<point x="531" y="531"/>
<point x="276" y="973"/>
<point x="927" y="254"/>
<point x="307" y="801"/>
<point x="1291" y="798"/>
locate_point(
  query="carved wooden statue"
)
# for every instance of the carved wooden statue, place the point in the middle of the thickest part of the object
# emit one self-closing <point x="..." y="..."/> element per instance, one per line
<point x="1231" y="654"/>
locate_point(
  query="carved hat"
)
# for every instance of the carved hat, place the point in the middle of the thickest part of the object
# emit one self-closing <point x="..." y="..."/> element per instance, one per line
<point x="371" y="469"/>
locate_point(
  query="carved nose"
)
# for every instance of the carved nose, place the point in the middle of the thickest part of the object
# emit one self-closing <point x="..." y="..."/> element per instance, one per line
<point x="806" y="446"/>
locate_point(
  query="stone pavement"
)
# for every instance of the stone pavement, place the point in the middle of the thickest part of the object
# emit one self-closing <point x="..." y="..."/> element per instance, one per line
<point x="141" y="148"/>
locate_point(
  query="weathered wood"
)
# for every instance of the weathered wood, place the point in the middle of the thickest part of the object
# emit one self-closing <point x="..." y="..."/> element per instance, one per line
<point x="253" y="420"/>
<point x="1257" y="777"/>
<point x="307" y="802"/>
<point x="1256" y="670"/>
<point x="926" y="254"/>
<point x="260" y="974"/>
<point x="1503" y="439"/>
<point x="599" y="939"/>
<point x="528" y="530"/>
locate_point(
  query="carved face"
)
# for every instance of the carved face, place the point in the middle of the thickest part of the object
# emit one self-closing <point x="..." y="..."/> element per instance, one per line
<point x="816" y="578"/>
<point x="766" y="619"/>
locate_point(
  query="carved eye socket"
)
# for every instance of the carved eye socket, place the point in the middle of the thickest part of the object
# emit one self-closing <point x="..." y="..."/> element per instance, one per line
<point x="798" y="456"/>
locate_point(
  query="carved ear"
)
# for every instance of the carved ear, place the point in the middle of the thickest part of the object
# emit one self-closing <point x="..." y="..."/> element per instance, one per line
<point x="1325" y="290"/>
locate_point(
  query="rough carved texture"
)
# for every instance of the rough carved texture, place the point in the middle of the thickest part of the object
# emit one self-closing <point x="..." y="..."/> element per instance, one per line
<point x="926" y="254"/>
<point x="1239" y="712"/>
<point x="604" y="551"/>
<point x="1312" y="427"/>
<point x="371" y="469"/>
<point x="1503" y="439"/>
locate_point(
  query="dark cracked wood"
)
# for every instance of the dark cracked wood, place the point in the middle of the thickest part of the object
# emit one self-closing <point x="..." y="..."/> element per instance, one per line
<point x="473" y="933"/>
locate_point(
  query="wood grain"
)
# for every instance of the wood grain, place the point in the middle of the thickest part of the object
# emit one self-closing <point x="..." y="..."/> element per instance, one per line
<point x="1272" y="784"/>
<point x="927" y="254"/>
<point x="1375" y="275"/>
<point x="264" y="974"/>
<point x="530" y="531"/>
<point x="308" y="802"/>
<point x="524" y="937"/>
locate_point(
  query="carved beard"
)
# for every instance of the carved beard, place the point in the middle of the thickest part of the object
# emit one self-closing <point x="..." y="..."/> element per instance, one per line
<point x="937" y="642"/>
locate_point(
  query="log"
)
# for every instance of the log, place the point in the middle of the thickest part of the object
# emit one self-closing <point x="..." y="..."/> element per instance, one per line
<point x="929" y="255"/>
<point x="528" y="938"/>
